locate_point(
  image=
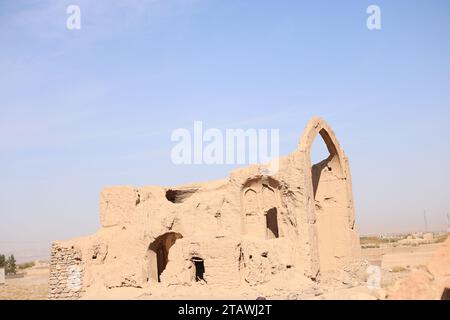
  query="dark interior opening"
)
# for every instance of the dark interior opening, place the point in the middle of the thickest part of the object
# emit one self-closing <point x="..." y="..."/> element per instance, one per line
<point x="178" y="196"/>
<point x="199" y="266"/>
<point x="446" y="294"/>
<point x="161" y="247"/>
<point x="161" y="259"/>
<point x="272" y="223"/>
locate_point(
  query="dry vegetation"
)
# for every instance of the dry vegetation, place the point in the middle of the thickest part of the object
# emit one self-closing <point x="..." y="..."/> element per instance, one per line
<point x="32" y="286"/>
<point x="376" y="242"/>
<point x="441" y="238"/>
<point x="371" y="242"/>
<point x="398" y="269"/>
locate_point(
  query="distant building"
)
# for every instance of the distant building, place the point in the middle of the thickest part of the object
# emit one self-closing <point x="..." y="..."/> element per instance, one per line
<point x="2" y="275"/>
<point x="428" y="236"/>
<point x="448" y="225"/>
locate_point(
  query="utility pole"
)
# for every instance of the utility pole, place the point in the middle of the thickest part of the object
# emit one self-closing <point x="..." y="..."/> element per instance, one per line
<point x="425" y="220"/>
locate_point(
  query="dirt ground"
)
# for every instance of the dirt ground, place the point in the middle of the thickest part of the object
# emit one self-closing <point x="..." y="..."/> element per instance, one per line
<point x="33" y="286"/>
<point x="395" y="263"/>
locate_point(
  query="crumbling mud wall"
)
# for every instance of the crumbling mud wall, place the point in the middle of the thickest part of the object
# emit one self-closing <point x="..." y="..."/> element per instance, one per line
<point x="430" y="282"/>
<point x="329" y="198"/>
<point x="255" y="228"/>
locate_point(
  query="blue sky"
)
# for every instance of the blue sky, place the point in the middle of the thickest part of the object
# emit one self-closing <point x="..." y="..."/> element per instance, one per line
<point x="87" y="108"/>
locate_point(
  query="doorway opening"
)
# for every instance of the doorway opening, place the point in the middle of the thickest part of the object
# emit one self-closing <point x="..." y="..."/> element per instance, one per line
<point x="158" y="254"/>
<point x="272" y="223"/>
<point x="199" y="269"/>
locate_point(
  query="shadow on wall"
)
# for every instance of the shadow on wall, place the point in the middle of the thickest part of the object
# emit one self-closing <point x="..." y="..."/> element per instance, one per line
<point x="158" y="254"/>
<point x="327" y="164"/>
<point x="330" y="201"/>
<point x="446" y="294"/>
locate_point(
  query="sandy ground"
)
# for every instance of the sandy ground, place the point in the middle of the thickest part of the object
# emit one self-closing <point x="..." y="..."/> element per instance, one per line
<point x="401" y="256"/>
<point x="197" y="293"/>
<point x="395" y="263"/>
<point x="33" y="286"/>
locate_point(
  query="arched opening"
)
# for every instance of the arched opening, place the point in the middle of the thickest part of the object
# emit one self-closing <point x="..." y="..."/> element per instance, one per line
<point x="319" y="151"/>
<point x="179" y="196"/>
<point x="158" y="254"/>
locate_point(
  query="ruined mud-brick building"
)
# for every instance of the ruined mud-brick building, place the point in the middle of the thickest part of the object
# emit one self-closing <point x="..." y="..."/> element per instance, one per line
<point x="249" y="229"/>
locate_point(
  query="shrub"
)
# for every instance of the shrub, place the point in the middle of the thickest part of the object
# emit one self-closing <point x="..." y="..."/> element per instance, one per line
<point x="2" y="261"/>
<point x="441" y="238"/>
<point x="10" y="265"/>
<point x="25" y="265"/>
<point x="398" y="269"/>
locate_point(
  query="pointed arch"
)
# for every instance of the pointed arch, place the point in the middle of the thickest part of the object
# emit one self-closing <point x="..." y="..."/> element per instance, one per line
<point x="329" y="197"/>
<point x="318" y="126"/>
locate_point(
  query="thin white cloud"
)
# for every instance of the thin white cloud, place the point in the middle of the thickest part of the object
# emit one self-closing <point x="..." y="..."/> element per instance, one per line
<point x="46" y="20"/>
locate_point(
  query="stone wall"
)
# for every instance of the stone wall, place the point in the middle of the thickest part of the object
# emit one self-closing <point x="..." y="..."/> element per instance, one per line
<point x="66" y="272"/>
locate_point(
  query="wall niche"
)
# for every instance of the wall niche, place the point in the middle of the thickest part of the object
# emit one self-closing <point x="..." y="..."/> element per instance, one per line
<point x="260" y="202"/>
